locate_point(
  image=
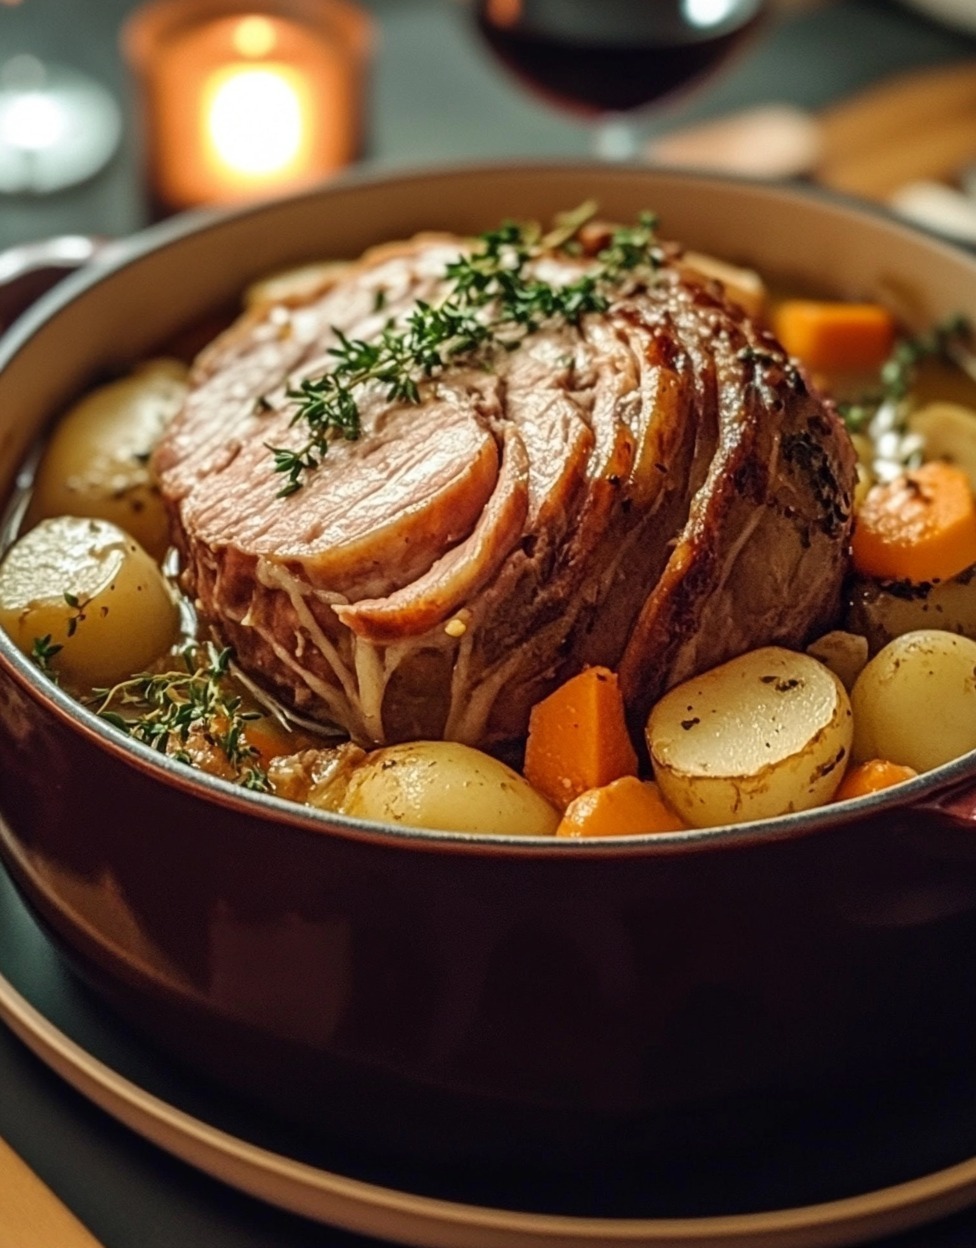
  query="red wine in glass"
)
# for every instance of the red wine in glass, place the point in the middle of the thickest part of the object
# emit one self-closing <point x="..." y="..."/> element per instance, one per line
<point x="605" y="58"/>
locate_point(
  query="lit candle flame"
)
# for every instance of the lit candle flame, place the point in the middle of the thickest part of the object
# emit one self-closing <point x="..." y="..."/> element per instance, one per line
<point x="254" y="120"/>
<point x="250" y="102"/>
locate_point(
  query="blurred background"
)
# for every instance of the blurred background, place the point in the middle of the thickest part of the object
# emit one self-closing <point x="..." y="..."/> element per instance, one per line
<point x="429" y="91"/>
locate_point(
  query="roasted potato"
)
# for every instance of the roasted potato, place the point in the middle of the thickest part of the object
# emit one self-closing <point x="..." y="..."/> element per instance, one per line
<point x="449" y="787"/>
<point x="86" y="599"/>
<point x="294" y="285"/>
<point x="761" y="735"/>
<point x="96" y="462"/>
<point x="883" y="610"/>
<point x="915" y="702"/>
<point x="743" y="286"/>
<point x="844" y="653"/>
<point x="948" y="431"/>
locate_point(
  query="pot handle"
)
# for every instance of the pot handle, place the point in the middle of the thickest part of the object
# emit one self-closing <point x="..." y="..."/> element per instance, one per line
<point x="957" y="806"/>
<point x="29" y="269"/>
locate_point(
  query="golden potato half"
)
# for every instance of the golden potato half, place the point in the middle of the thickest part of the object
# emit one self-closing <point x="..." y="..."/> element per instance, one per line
<point x="762" y="735"/>
<point x="85" y="587"/>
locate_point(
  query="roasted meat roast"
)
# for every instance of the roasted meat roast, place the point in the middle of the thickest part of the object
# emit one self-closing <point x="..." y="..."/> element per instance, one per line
<point x="656" y="488"/>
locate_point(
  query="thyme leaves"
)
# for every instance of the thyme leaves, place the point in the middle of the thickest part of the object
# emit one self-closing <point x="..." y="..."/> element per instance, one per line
<point x="43" y="651"/>
<point x="192" y="715"/>
<point x="899" y="371"/>
<point x="494" y="301"/>
<point x="187" y="714"/>
<point x="883" y="415"/>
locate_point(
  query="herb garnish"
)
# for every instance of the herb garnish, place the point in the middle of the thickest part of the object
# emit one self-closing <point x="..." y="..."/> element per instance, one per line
<point x="899" y="371"/>
<point x="173" y="706"/>
<point x="493" y="303"/>
<point x="75" y="603"/>
<point x="42" y="652"/>
<point x="45" y="648"/>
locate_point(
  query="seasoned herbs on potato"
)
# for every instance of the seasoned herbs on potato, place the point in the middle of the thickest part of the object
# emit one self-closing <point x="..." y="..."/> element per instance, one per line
<point x="883" y="610"/>
<point x="86" y="600"/>
<point x="757" y="737"/>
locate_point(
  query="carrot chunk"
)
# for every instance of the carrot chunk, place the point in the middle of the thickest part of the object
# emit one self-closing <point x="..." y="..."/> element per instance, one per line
<point x="919" y="527"/>
<point x="871" y="777"/>
<point x="270" y="738"/>
<point x="624" y="807"/>
<point x="833" y="336"/>
<point x="578" y="738"/>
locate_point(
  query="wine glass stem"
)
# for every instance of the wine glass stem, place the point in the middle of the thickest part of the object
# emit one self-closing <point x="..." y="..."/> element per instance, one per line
<point x="615" y="139"/>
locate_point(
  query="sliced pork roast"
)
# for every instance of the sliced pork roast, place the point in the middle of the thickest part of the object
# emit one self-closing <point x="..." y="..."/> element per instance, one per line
<point x="656" y="489"/>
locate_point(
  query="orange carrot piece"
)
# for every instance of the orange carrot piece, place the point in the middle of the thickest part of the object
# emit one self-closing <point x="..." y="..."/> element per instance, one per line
<point x="625" y="807"/>
<point x="871" y="777"/>
<point x="834" y="336"/>
<point x="271" y="738"/>
<point x="919" y="527"/>
<point x="578" y="738"/>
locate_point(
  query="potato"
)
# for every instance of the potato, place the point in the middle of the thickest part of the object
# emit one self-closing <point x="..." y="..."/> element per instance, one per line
<point x="297" y="284"/>
<point x="883" y="610"/>
<point x="915" y="702"/>
<point x="761" y="735"/>
<point x="96" y="461"/>
<point x="742" y="286"/>
<point x="92" y="590"/>
<point x="448" y="787"/>
<point x="948" y="431"/>
<point x="844" y="653"/>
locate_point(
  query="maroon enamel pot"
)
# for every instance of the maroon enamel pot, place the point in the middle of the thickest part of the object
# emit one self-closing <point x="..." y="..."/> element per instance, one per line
<point x="515" y="1001"/>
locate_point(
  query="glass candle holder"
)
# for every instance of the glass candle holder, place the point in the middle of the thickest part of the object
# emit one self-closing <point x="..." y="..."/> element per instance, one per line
<point x="240" y="99"/>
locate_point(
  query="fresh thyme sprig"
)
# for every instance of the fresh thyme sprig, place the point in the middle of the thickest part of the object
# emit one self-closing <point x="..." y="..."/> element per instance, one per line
<point x="900" y="370"/>
<point x="177" y="705"/>
<point x="45" y="648"/>
<point x="493" y="302"/>
<point x="43" y="651"/>
<point x="75" y="603"/>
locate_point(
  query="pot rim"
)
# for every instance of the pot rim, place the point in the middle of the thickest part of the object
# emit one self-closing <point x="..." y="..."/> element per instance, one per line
<point x="160" y="236"/>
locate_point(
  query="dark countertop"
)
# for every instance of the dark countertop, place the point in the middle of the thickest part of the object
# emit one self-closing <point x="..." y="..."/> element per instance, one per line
<point x="434" y="99"/>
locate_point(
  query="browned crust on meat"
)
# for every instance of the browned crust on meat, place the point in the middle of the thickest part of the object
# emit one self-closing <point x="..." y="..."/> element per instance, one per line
<point x="656" y="490"/>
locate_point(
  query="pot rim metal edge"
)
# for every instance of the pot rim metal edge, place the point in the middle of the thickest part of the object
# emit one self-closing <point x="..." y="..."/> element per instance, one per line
<point x="169" y="233"/>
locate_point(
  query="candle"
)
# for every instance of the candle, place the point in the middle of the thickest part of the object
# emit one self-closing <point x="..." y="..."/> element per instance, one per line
<point x="245" y="99"/>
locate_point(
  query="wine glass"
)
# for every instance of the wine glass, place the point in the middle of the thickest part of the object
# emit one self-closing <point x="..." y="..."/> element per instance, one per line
<point x="58" y="126"/>
<point x="609" y="59"/>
